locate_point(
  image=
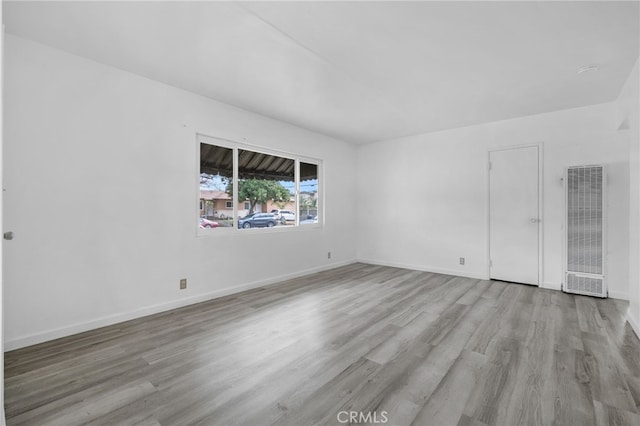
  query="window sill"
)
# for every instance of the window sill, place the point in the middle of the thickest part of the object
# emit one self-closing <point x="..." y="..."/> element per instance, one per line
<point x="255" y="231"/>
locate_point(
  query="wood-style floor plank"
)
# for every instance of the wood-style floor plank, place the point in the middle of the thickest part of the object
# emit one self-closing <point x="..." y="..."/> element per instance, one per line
<point x="422" y="348"/>
<point x="446" y="404"/>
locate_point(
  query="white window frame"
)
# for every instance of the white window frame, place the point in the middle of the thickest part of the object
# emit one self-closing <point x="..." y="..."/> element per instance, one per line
<point x="320" y="204"/>
<point x="236" y="147"/>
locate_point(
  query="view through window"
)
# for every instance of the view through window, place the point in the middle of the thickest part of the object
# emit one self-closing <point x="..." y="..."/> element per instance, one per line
<point x="272" y="190"/>
<point x="268" y="184"/>
<point x="308" y="193"/>
<point x="216" y="174"/>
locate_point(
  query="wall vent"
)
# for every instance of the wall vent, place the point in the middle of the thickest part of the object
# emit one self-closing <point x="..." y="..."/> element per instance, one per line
<point x="585" y="231"/>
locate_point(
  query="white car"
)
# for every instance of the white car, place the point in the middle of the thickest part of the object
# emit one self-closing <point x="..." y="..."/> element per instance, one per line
<point x="284" y="215"/>
<point x="311" y="220"/>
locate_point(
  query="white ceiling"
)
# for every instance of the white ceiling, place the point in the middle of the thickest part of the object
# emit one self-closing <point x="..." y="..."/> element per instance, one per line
<point x="359" y="71"/>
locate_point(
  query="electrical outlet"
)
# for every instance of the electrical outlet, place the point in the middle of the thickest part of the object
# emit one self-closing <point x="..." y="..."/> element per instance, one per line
<point x="328" y="255"/>
<point x="183" y="284"/>
<point x="462" y="260"/>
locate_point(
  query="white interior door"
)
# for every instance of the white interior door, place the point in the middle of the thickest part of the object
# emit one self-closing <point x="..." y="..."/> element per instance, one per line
<point x="513" y="215"/>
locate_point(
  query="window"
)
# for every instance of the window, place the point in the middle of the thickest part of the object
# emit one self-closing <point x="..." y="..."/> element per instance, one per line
<point x="266" y="181"/>
<point x="216" y="173"/>
<point x="308" y="193"/>
<point x="272" y="190"/>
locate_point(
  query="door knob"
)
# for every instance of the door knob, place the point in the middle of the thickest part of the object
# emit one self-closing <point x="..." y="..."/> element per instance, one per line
<point x="8" y="235"/>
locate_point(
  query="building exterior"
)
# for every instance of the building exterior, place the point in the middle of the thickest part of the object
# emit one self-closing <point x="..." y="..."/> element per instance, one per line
<point x="219" y="205"/>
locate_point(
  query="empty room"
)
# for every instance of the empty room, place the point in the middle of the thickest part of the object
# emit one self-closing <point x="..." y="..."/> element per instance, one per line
<point x="320" y="213"/>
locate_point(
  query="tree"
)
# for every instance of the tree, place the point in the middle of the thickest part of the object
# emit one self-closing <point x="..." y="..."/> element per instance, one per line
<point x="308" y="202"/>
<point x="259" y="191"/>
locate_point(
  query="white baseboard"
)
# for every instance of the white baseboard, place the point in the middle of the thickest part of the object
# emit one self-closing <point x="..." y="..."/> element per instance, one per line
<point x="618" y="295"/>
<point x="612" y="294"/>
<point x="552" y="286"/>
<point x="633" y="323"/>
<point x="548" y="285"/>
<point x="69" y="330"/>
<point x="425" y="268"/>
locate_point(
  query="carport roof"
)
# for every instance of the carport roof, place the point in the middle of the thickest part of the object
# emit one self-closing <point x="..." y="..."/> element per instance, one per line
<point x="216" y="160"/>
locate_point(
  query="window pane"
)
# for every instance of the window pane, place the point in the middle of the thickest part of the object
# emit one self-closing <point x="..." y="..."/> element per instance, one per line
<point x="267" y="185"/>
<point x="216" y="196"/>
<point x="308" y="193"/>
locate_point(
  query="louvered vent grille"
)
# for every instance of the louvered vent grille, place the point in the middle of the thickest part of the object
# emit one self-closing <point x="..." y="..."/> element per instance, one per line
<point x="585" y="218"/>
<point x="584" y="285"/>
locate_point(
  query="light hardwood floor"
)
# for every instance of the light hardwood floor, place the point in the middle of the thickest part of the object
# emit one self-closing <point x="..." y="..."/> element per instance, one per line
<point x="414" y="348"/>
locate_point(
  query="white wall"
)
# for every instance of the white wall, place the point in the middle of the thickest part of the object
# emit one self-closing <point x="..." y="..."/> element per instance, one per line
<point x="627" y="119"/>
<point x="100" y="173"/>
<point x="423" y="199"/>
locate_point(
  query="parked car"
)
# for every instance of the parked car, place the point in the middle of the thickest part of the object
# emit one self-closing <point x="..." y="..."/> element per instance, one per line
<point x="313" y="219"/>
<point x="284" y="215"/>
<point x="257" y="220"/>
<point x="206" y="223"/>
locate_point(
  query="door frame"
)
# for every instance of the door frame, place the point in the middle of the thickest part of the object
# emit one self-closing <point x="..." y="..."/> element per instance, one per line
<point x="540" y="146"/>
